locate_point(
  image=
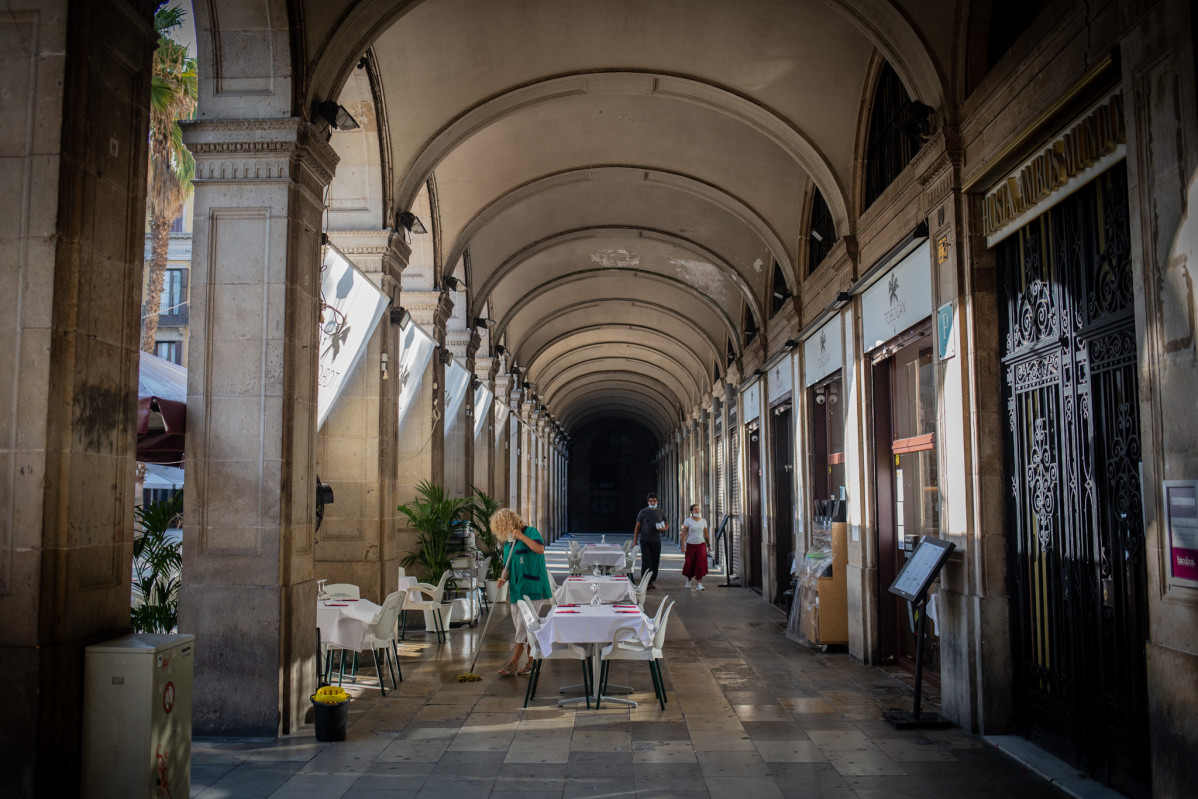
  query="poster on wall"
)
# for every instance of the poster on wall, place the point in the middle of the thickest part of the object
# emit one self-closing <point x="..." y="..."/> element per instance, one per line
<point x="1181" y="531"/>
<point x="351" y="308"/>
<point x="900" y="298"/>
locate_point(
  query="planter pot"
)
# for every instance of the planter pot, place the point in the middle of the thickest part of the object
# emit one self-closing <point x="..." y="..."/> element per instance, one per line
<point x="492" y="591"/>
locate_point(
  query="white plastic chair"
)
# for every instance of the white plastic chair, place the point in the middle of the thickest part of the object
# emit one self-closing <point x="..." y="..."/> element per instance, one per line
<point x="481" y="569"/>
<point x="342" y="591"/>
<point x="559" y="652"/>
<point x="552" y="589"/>
<point x="433" y="604"/>
<point x="626" y="646"/>
<point x="630" y="554"/>
<point x="378" y="635"/>
<point x="642" y="589"/>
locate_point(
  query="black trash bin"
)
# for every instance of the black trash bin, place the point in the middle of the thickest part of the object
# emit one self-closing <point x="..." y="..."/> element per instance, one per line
<point x="330" y="720"/>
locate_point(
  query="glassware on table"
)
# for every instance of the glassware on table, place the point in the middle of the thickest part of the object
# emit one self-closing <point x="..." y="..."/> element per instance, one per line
<point x="594" y="595"/>
<point x="321" y="593"/>
<point x="603" y="539"/>
<point x="597" y="572"/>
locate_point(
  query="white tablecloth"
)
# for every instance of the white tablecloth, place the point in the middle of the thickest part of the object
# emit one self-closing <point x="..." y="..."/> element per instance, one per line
<point x="406" y="582"/>
<point x="591" y="625"/>
<point x="603" y="555"/>
<point x="343" y="624"/>
<point x="611" y="589"/>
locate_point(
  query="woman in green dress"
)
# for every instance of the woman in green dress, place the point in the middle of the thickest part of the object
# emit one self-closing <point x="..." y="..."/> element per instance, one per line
<point x="525" y="575"/>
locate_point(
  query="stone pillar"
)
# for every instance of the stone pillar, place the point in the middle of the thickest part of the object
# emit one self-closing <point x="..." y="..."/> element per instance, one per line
<point x="356" y="448"/>
<point x="1159" y="94"/>
<point x="483" y="461"/>
<point x="501" y="440"/>
<point x="75" y="82"/>
<point x="459" y="431"/>
<point x="421" y="448"/>
<point x="249" y="594"/>
<point x="527" y="464"/>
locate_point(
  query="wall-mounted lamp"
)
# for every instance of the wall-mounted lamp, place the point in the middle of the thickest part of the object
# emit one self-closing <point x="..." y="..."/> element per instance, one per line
<point x="527" y="385"/>
<point x="446" y="357"/>
<point x="475" y="382"/>
<point x="784" y="294"/>
<point x="384" y="358"/>
<point x="842" y="299"/>
<point x="500" y="349"/>
<point x="399" y="315"/>
<point x="336" y="116"/>
<point x="790" y="343"/>
<point x="482" y="321"/>
<point x="758" y="373"/>
<point x="452" y="283"/>
<point x="411" y="222"/>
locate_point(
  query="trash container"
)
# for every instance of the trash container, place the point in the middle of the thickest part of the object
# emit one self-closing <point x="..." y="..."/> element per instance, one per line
<point x="331" y="708"/>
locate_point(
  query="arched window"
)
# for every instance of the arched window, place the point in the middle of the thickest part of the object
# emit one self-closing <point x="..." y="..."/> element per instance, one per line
<point x="887" y="149"/>
<point x="750" y="326"/>
<point x="779" y="293"/>
<point x="821" y="233"/>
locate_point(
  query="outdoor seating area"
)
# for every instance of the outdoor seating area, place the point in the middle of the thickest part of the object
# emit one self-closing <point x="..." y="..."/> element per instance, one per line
<point x="738" y="708"/>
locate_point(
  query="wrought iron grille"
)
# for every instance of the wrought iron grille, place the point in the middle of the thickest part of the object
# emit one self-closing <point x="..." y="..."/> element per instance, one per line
<point x="887" y="150"/>
<point x="1077" y="569"/>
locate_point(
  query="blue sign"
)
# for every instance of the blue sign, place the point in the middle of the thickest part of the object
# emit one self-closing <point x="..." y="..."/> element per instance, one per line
<point x="944" y="331"/>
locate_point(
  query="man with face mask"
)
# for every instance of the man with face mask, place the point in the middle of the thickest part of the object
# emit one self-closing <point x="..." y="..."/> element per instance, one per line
<point x="650" y="523"/>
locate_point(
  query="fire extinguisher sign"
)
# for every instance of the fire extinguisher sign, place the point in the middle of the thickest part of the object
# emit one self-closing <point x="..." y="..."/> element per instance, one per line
<point x="168" y="697"/>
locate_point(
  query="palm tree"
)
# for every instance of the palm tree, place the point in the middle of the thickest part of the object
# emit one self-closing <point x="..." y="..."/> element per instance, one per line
<point x="173" y="93"/>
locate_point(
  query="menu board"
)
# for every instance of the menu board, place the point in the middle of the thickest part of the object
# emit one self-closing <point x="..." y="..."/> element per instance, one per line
<point x="921" y="568"/>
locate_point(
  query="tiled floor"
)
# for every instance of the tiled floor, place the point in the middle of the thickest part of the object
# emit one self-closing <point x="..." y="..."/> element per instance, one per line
<point x="751" y="715"/>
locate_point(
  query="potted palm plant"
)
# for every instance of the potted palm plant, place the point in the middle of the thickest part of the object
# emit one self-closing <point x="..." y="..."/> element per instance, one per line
<point x="482" y="507"/>
<point x="157" y="567"/>
<point x="433" y="515"/>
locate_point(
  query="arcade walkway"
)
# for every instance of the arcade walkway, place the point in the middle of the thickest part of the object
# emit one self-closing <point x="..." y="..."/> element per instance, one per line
<point x="750" y="714"/>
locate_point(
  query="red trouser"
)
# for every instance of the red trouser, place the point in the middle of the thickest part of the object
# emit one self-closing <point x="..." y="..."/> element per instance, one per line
<point x="695" y="565"/>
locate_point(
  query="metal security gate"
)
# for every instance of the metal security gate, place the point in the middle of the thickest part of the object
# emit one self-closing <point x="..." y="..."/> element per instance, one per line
<point x="1077" y="569"/>
<point x="736" y="567"/>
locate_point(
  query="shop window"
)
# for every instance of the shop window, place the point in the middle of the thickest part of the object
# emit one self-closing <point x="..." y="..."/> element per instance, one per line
<point x="887" y="149"/>
<point x="821" y="233"/>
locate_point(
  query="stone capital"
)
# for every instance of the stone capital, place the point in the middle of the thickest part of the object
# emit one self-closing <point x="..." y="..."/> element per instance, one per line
<point x="261" y="151"/>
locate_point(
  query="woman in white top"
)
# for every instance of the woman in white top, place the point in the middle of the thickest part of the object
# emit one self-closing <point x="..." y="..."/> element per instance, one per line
<point x="694" y="545"/>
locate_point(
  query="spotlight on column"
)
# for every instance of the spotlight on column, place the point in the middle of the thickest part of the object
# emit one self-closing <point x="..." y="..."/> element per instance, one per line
<point x="412" y="223"/>
<point x="324" y="496"/>
<point x="336" y="116"/>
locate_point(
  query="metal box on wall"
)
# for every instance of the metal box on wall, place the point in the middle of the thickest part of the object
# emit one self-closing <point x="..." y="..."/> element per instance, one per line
<point x="137" y="717"/>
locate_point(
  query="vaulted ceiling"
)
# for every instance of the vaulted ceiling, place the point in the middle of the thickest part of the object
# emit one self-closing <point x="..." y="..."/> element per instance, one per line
<point x="615" y="181"/>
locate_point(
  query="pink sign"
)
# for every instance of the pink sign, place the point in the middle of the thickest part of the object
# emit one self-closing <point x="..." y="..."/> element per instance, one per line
<point x="1181" y="515"/>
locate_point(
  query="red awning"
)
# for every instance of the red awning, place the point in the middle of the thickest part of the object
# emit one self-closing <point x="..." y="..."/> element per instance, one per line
<point x="161" y="410"/>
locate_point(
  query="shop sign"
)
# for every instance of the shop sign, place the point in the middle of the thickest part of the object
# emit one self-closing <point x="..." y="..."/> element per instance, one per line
<point x="1098" y="134"/>
<point x="1181" y="531"/>
<point x="902" y="297"/>
<point x="823" y="352"/>
<point x="751" y="401"/>
<point x="946" y="331"/>
<point x="780" y="379"/>
<point x="352" y="308"/>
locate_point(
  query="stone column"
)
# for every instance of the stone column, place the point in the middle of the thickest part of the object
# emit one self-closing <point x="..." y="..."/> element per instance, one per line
<point x="1159" y="94"/>
<point x="74" y="78"/>
<point x="501" y="441"/>
<point x="356" y="448"/>
<point x="459" y="431"/>
<point x="421" y="448"/>
<point x="249" y="594"/>
<point x="483" y="462"/>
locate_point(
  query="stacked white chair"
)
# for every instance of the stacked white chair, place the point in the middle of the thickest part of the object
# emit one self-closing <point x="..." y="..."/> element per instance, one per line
<point x="434" y="594"/>
<point x="642" y="589"/>
<point x="626" y="646"/>
<point x="630" y="554"/>
<point x="574" y="557"/>
<point x="559" y="652"/>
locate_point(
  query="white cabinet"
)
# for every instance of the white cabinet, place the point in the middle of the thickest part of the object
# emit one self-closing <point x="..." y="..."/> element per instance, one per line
<point x="137" y="717"/>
